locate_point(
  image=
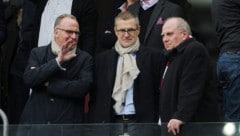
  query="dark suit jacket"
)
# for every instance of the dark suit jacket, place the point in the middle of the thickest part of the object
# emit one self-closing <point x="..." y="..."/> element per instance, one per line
<point x="162" y="10"/>
<point x="107" y="40"/>
<point x="146" y="86"/>
<point x="62" y="100"/>
<point x="83" y="10"/>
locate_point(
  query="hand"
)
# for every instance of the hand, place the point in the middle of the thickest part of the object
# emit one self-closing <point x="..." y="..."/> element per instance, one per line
<point x="65" y="54"/>
<point x="174" y="126"/>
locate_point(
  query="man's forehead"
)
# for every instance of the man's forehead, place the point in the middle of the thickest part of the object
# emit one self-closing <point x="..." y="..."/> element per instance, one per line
<point x="126" y="23"/>
<point x="68" y="22"/>
<point x="170" y="25"/>
<point x="171" y="22"/>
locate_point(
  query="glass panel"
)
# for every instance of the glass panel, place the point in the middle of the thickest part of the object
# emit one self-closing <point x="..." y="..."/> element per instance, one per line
<point x="131" y="129"/>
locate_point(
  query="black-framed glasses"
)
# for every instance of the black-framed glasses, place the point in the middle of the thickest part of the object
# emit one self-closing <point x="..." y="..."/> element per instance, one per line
<point x="130" y="31"/>
<point x="69" y="32"/>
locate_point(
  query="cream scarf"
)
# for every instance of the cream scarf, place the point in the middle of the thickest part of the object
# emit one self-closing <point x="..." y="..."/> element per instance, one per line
<point x="56" y="49"/>
<point x="127" y="72"/>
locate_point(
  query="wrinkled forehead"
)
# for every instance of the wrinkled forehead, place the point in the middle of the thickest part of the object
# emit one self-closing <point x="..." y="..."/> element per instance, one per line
<point x="68" y="22"/>
<point x="170" y="25"/>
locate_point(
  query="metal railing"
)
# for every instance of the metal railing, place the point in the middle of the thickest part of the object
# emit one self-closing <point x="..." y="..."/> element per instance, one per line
<point x="5" y="122"/>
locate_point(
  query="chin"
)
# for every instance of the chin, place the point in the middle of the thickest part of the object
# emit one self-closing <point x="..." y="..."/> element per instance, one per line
<point x="125" y="45"/>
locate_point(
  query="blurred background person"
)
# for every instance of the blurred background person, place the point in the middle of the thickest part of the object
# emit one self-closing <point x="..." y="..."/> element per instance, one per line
<point x="152" y="14"/>
<point x="3" y="35"/>
<point x="226" y="18"/>
<point x="13" y="17"/>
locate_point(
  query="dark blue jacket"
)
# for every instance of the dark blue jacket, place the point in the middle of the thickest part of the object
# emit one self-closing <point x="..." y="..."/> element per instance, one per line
<point x="57" y="96"/>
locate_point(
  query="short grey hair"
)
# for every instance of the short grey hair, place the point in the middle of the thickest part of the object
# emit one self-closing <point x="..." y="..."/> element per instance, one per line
<point x="126" y="15"/>
<point x="61" y="17"/>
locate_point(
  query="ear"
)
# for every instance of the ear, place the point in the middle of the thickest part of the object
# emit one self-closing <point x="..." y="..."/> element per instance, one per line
<point x="184" y="34"/>
<point x="138" y="30"/>
<point x="115" y="31"/>
<point x="55" y="31"/>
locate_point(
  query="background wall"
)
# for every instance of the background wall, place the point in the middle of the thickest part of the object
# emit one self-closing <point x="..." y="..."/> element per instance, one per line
<point x="202" y="21"/>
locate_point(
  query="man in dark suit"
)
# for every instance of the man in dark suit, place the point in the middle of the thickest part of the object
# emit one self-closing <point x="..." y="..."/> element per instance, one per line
<point x="60" y="75"/>
<point x="83" y="10"/>
<point x="152" y="14"/>
<point x="226" y="18"/>
<point x="126" y="79"/>
<point x="189" y="86"/>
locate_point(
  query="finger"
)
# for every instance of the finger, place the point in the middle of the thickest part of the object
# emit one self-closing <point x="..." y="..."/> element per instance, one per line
<point x="174" y="131"/>
<point x="65" y="45"/>
<point x="178" y="128"/>
<point x="171" y="129"/>
<point x="70" y="56"/>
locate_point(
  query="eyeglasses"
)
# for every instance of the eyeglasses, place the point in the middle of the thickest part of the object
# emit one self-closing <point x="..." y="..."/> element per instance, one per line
<point x="130" y="31"/>
<point x="69" y="32"/>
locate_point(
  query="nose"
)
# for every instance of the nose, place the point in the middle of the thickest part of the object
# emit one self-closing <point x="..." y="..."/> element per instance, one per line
<point x="164" y="39"/>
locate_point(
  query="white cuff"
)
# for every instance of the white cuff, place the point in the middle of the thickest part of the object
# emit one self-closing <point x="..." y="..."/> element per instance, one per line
<point x="59" y="65"/>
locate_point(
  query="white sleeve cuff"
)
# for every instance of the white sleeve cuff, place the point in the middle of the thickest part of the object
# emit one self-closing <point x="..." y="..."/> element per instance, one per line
<point x="59" y="65"/>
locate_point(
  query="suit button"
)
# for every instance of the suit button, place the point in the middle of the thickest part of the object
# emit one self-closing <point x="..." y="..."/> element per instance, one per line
<point x="51" y="99"/>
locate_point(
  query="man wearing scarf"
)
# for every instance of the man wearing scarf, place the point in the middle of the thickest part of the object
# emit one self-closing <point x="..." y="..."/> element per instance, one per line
<point x="60" y="75"/>
<point x="126" y="79"/>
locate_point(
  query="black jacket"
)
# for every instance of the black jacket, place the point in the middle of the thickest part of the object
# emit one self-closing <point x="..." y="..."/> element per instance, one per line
<point x="226" y="18"/>
<point x="146" y="86"/>
<point x="61" y="101"/>
<point x="189" y="88"/>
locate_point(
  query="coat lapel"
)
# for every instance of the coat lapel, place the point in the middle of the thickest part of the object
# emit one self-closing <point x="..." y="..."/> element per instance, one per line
<point x="134" y="8"/>
<point x="140" y="57"/>
<point x="112" y="68"/>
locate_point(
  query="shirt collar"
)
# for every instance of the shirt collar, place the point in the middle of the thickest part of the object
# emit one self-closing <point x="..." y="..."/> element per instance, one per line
<point x="123" y="7"/>
<point x="146" y="4"/>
